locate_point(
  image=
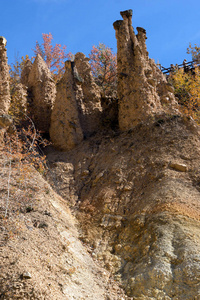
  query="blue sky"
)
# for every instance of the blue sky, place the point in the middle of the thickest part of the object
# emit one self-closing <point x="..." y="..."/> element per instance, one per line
<point x="170" y="24"/>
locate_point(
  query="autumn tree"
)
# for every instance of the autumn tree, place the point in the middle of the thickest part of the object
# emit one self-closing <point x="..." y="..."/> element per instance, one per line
<point x="104" y="68"/>
<point x="187" y="90"/>
<point x="194" y="51"/>
<point x="16" y="69"/>
<point x="17" y="105"/>
<point x="54" y="56"/>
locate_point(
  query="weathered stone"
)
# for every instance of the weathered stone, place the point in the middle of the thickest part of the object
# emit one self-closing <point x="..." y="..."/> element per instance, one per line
<point x="5" y="121"/>
<point x="65" y="130"/>
<point x="178" y="167"/>
<point x="3" y="40"/>
<point x="4" y="77"/>
<point x="88" y="97"/>
<point x="26" y="275"/>
<point x="142" y="88"/>
<point x="41" y="93"/>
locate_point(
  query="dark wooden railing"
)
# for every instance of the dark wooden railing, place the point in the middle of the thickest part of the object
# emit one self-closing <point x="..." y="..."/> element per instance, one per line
<point x="187" y="66"/>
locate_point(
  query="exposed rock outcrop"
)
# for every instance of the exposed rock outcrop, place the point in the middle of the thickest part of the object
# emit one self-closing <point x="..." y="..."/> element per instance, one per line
<point x="65" y="130"/>
<point x="41" y="92"/>
<point x="142" y="88"/>
<point x="88" y="97"/>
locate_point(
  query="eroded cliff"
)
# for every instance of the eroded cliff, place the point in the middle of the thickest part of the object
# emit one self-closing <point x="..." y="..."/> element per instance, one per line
<point x="136" y="196"/>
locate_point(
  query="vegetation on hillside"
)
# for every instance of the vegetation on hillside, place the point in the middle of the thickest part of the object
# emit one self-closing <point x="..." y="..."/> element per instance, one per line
<point x="187" y="86"/>
<point x="104" y="68"/>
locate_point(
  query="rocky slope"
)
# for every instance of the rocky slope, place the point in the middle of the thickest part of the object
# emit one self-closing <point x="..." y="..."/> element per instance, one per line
<point x="136" y="196"/>
<point x="41" y="254"/>
<point x="135" y="224"/>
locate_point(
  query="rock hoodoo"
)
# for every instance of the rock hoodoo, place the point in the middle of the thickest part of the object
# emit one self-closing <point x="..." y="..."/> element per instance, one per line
<point x="142" y="88"/>
<point x="77" y="110"/>
<point x="88" y="97"/>
<point x="4" y="77"/>
<point x="65" y="130"/>
<point x="41" y="92"/>
<point x="5" y="119"/>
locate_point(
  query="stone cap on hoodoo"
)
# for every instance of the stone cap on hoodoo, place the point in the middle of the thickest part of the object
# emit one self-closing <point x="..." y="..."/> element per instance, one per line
<point x="3" y="41"/>
<point x="126" y="13"/>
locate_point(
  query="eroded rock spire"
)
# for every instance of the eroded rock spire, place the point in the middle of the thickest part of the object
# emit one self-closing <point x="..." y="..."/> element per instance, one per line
<point x="65" y="130"/>
<point x="88" y="97"/>
<point x="4" y="78"/>
<point x="142" y="88"/>
<point x="41" y="91"/>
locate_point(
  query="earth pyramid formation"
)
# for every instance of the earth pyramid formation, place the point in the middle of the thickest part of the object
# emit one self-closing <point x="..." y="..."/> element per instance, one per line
<point x="74" y="108"/>
<point x="41" y="90"/>
<point x="5" y="120"/>
<point x="77" y="110"/>
<point x="4" y="77"/>
<point x="142" y="88"/>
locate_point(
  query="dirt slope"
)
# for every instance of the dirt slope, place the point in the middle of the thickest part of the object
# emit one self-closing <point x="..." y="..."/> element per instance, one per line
<point x="135" y="203"/>
<point x="136" y="196"/>
<point x="41" y="254"/>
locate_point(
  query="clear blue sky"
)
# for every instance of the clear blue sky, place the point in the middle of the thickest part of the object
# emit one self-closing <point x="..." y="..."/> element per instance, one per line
<point x="170" y="24"/>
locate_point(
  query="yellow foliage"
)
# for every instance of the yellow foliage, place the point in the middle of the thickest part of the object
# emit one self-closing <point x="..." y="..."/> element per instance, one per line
<point x="187" y="90"/>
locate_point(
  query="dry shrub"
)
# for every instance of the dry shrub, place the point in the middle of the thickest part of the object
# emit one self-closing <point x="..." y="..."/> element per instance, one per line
<point x="20" y="155"/>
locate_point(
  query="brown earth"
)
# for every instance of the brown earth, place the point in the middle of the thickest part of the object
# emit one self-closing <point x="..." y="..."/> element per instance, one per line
<point x="41" y="254"/>
<point x="127" y="217"/>
<point x="136" y="197"/>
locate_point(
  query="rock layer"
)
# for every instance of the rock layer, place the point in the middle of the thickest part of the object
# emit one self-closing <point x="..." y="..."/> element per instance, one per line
<point x="142" y="88"/>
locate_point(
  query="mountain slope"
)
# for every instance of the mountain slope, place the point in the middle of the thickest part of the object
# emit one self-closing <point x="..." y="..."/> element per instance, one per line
<point x="136" y="196"/>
